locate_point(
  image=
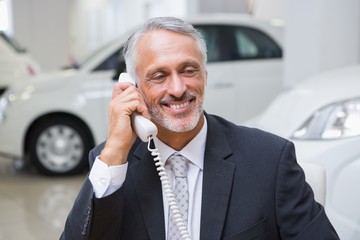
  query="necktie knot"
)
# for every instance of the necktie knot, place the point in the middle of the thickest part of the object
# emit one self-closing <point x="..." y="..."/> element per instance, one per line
<point x="178" y="164"/>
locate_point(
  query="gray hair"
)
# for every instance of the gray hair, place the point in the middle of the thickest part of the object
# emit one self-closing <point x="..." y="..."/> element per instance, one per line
<point x="160" y="23"/>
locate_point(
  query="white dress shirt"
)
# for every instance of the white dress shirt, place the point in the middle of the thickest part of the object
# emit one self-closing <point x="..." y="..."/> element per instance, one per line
<point x="106" y="180"/>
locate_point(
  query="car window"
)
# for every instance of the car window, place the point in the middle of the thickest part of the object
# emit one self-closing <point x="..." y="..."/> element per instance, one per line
<point x="90" y="57"/>
<point x="246" y="47"/>
<point x="111" y="62"/>
<point x="211" y="35"/>
<point x="12" y="43"/>
<point x="231" y="43"/>
<point x="254" y="44"/>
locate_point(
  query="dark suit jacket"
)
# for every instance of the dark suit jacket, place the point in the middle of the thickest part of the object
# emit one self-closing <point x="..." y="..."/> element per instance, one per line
<point x="253" y="188"/>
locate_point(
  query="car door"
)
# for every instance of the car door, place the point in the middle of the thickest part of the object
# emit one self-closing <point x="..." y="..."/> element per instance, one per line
<point x="245" y="71"/>
<point x="97" y="90"/>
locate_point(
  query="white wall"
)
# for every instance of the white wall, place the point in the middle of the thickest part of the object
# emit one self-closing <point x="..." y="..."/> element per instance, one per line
<point x="57" y="33"/>
<point x="267" y="9"/>
<point x="95" y="22"/>
<point x="320" y="35"/>
<point x="210" y="6"/>
<point x="43" y="28"/>
<point x="5" y="16"/>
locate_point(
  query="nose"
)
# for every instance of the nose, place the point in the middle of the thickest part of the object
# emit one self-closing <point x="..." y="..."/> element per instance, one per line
<point x="176" y="86"/>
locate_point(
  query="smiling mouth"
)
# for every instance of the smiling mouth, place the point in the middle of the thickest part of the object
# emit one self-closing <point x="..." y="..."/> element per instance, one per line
<point x="179" y="103"/>
<point x="179" y="106"/>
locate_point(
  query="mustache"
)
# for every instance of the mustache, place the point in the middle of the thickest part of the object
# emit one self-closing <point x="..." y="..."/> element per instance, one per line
<point x="185" y="96"/>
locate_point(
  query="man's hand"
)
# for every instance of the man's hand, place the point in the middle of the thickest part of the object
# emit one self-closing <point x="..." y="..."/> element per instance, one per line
<point x="124" y="101"/>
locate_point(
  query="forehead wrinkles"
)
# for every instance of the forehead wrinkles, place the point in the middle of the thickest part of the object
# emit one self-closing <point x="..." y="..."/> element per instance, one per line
<point x="165" y="46"/>
<point x="165" y="41"/>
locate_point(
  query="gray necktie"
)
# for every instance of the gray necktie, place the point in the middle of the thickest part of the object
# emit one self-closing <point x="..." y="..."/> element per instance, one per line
<point x="178" y="164"/>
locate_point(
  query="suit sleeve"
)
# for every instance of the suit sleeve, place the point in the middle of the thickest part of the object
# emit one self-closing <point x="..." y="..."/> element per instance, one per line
<point x="299" y="216"/>
<point x="90" y="217"/>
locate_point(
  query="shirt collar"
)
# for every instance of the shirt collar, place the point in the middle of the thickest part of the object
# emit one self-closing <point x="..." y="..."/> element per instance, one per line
<point x="194" y="150"/>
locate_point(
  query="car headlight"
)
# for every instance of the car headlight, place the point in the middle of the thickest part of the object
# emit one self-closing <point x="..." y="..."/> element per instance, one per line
<point x="334" y="121"/>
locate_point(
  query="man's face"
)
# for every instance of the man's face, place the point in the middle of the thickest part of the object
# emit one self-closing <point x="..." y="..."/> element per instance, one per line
<point x="172" y="78"/>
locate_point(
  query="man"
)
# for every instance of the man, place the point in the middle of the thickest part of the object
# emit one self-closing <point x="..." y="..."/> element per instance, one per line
<point x="242" y="183"/>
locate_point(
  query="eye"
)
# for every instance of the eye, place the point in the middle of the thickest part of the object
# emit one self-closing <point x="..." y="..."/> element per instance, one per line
<point x="190" y="71"/>
<point x="158" y="76"/>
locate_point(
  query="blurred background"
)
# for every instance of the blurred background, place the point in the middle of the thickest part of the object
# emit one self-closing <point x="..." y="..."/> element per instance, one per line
<point x="320" y="34"/>
<point x="314" y="98"/>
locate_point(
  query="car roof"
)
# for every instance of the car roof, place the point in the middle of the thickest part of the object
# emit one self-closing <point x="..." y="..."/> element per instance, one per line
<point x="272" y="27"/>
<point x="225" y="18"/>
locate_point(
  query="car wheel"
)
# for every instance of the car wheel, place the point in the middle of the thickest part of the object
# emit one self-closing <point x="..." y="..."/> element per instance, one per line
<point x="59" y="146"/>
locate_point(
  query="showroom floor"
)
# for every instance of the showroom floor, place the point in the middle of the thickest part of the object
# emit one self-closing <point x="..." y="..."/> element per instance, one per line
<point x="34" y="207"/>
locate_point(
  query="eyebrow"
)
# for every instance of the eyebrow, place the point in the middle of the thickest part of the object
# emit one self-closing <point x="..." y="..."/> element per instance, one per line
<point x="182" y="65"/>
<point x="191" y="62"/>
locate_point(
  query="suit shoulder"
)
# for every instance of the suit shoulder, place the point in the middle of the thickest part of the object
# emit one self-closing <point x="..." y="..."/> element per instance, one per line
<point x="243" y="133"/>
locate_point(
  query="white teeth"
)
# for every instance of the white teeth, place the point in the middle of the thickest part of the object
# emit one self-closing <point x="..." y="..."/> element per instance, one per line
<point x="180" y="105"/>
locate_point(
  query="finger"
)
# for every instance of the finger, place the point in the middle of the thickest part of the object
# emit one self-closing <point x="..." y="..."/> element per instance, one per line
<point x="142" y="108"/>
<point x="119" y="88"/>
<point x="116" y="91"/>
<point x="131" y="99"/>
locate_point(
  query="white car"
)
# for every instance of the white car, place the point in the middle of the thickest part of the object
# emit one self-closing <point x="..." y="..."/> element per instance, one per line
<point x="15" y="63"/>
<point x="53" y="120"/>
<point x="321" y="115"/>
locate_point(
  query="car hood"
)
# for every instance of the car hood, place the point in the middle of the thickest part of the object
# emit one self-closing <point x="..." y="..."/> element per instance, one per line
<point x="292" y="108"/>
<point x="46" y="81"/>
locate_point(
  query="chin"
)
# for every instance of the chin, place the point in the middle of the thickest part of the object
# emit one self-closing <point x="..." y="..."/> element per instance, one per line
<point x="181" y="124"/>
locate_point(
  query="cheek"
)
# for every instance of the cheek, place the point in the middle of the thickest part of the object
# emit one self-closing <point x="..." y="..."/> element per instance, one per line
<point x="153" y="94"/>
<point x="199" y="83"/>
<point x="199" y="86"/>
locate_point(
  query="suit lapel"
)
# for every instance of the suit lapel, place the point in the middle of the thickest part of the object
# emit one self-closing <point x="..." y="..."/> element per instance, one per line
<point x="217" y="183"/>
<point x="150" y="199"/>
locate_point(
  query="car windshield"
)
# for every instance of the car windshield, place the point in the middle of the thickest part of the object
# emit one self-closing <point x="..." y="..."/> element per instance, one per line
<point x="93" y="55"/>
<point x="88" y="58"/>
<point x="15" y="45"/>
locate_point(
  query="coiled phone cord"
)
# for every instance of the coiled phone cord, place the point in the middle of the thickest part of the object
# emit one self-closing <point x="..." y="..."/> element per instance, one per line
<point x="180" y="223"/>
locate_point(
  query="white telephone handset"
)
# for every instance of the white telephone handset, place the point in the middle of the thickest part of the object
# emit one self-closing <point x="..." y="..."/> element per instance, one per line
<point x="146" y="130"/>
<point x="143" y="127"/>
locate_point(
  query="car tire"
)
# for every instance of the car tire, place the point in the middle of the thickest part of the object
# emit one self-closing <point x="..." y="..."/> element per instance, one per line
<point x="59" y="146"/>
